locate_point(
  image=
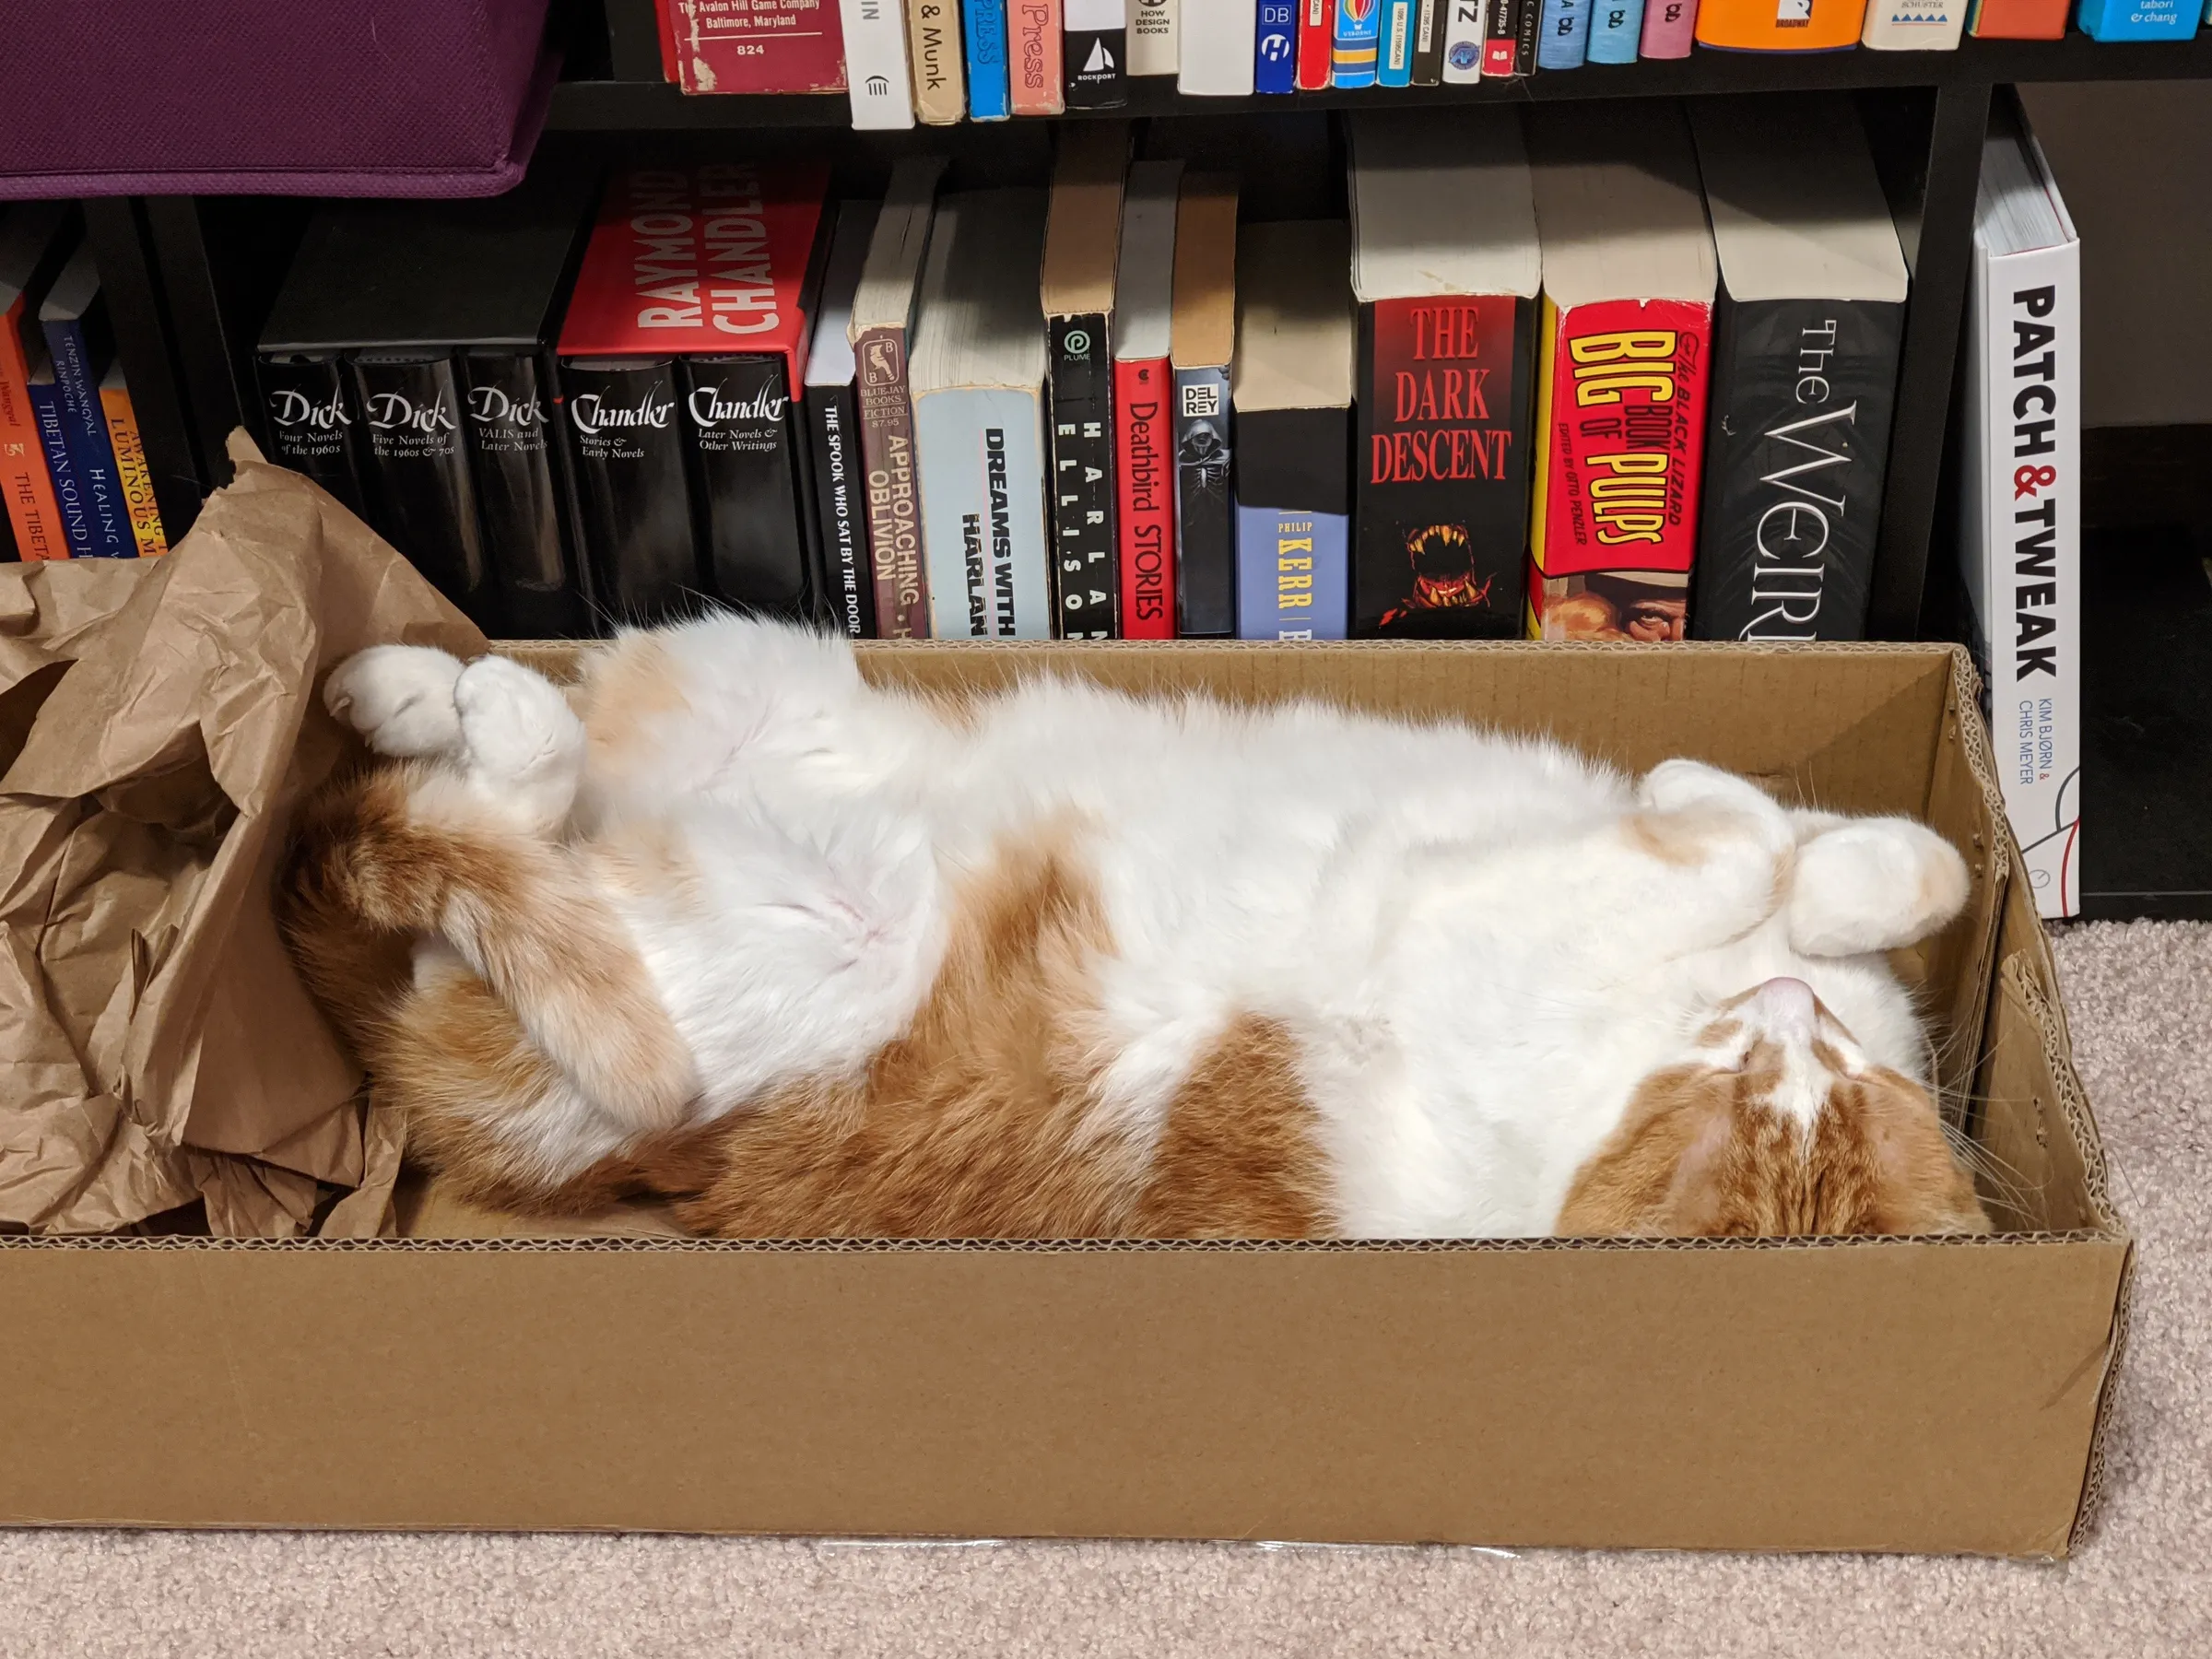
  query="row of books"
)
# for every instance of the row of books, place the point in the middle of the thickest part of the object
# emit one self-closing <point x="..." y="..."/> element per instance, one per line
<point x="72" y="466"/>
<point x="943" y="60"/>
<point x="1530" y="385"/>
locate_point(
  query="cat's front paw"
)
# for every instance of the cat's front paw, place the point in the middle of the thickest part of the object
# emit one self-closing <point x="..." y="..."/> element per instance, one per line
<point x="521" y="739"/>
<point x="399" y="698"/>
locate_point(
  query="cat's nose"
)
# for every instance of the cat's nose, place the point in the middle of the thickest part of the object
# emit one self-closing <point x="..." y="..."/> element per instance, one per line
<point x="1787" y="1006"/>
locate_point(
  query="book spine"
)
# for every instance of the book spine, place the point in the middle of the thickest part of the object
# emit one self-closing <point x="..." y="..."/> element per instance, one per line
<point x="1357" y="57"/>
<point x="1913" y="25"/>
<point x="2020" y="21"/>
<point x="1670" y="29"/>
<point x="1466" y="22"/>
<point x="1393" y="64"/>
<point x="877" y="83"/>
<point x="1144" y="425"/>
<point x="2027" y="593"/>
<point x="519" y="495"/>
<point x="1095" y="54"/>
<point x="84" y="431"/>
<point x="798" y="46"/>
<point x="1527" y="22"/>
<point x="1155" y="37"/>
<point x="1566" y="34"/>
<point x="1446" y="393"/>
<point x="32" y="510"/>
<point x="625" y="447"/>
<point x="1622" y="391"/>
<point x="1316" y="43"/>
<point x="848" y="585"/>
<point x="933" y="45"/>
<point x="1206" y="523"/>
<point x="1790" y="26"/>
<point x="1616" y="26"/>
<point x="131" y="475"/>
<point x="990" y="92"/>
<point x="1033" y="57"/>
<point x="738" y="424"/>
<point x="1293" y="524"/>
<point x="982" y="512"/>
<point x="1275" y="47"/>
<point x="312" y="424"/>
<point x="1799" y="438"/>
<point x="1429" y="24"/>
<point x="75" y="540"/>
<point x="1085" y="596"/>
<point x="2140" y="20"/>
<point x="419" y="489"/>
<point x="1501" y="38"/>
<point x="894" y="511"/>
<point x="1216" y="48"/>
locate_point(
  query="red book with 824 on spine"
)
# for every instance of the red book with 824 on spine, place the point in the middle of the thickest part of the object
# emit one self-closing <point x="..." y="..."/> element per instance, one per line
<point x="749" y="46"/>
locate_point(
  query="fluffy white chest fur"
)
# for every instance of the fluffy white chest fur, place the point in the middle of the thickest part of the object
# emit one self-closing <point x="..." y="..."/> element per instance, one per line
<point x="1480" y="951"/>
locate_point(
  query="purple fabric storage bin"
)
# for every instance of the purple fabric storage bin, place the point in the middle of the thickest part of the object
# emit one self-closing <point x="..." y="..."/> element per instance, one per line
<point x="387" y="98"/>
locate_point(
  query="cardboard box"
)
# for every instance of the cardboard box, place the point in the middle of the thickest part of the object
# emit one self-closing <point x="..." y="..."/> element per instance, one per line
<point x="1890" y="1394"/>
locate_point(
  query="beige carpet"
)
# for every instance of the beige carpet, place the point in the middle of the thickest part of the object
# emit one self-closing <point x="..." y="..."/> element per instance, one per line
<point x="2141" y="999"/>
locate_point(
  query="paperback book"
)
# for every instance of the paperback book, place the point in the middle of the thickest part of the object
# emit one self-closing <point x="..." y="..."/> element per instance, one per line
<point x="1202" y="347"/>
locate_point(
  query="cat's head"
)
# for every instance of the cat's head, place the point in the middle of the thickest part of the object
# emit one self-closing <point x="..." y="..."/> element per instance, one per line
<point x="1777" y="1123"/>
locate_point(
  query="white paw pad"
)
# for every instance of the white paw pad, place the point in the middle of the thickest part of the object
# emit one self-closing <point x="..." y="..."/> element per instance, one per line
<point x="399" y="698"/>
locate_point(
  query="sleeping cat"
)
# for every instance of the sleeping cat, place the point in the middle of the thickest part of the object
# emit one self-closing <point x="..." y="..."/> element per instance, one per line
<point x="821" y="959"/>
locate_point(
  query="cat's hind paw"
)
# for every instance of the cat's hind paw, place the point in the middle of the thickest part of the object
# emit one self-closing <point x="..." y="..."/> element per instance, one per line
<point x="400" y="698"/>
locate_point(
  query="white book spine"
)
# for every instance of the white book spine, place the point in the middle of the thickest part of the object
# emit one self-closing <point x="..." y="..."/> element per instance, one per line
<point x="1155" y="37"/>
<point x="1464" y="21"/>
<point x="1913" y="25"/>
<point x="982" y="462"/>
<point x="1218" y="39"/>
<point x="877" y="81"/>
<point x="2023" y="548"/>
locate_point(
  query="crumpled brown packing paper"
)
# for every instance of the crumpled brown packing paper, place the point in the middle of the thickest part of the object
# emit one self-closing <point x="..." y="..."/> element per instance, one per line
<point x="158" y="726"/>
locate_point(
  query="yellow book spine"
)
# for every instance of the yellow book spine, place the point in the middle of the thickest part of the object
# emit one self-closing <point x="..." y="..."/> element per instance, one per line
<point x="137" y="483"/>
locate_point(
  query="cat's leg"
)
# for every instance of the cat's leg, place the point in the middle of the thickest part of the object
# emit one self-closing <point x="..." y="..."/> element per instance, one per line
<point x="1871" y="884"/>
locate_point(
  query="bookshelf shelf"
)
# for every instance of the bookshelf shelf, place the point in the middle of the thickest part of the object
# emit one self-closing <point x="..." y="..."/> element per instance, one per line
<point x="652" y="105"/>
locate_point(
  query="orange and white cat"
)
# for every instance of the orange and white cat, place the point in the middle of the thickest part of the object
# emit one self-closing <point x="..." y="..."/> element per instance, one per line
<point x="816" y="959"/>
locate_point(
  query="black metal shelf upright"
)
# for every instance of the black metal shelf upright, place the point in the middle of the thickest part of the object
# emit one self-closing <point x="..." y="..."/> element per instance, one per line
<point x="185" y="270"/>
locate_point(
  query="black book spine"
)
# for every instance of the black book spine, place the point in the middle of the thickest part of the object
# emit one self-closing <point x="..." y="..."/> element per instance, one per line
<point x="1803" y="391"/>
<point x="1094" y="59"/>
<point x="422" y="500"/>
<point x="1527" y="22"/>
<point x="848" y="580"/>
<point x="1446" y="393"/>
<point x="739" y="419"/>
<point x="1084" y="565"/>
<point x="518" y="497"/>
<point x="313" y="422"/>
<point x="1429" y="21"/>
<point x="1206" y="520"/>
<point x="633" y="501"/>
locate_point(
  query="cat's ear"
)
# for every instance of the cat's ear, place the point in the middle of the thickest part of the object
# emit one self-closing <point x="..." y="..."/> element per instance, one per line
<point x="1863" y="885"/>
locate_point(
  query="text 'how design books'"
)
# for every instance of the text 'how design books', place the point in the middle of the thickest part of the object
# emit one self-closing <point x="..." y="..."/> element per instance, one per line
<point x="1623" y="386"/>
<point x="1292" y="389"/>
<point x="1806" y="341"/>
<point x="682" y="352"/>
<point x="977" y="382"/>
<point x="1446" y="268"/>
<point x="2020" y="541"/>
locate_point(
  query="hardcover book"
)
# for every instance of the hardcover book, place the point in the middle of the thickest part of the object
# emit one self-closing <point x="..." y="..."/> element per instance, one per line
<point x="1275" y="48"/>
<point x="845" y="580"/>
<point x="1807" y="339"/>
<point x="417" y="471"/>
<point x="1095" y="54"/>
<point x="131" y="475"/>
<point x="2019" y="20"/>
<point x="1780" y="25"/>
<point x="1446" y="269"/>
<point x="633" y="495"/>
<point x="717" y="261"/>
<point x="310" y="419"/>
<point x="1913" y="25"/>
<point x="1083" y="224"/>
<point x="990" y="85"/>
<point x="1292" y="388"/>
<point x="1616" y="29"/>
<point x="1622" y="383"/>
<point x="933" y="46"/>
<point x="735" y="46"/>
<point x="883" y="313"/>
<point x="1144" y="400"/>
<point x="35" y="239"/>
<point x="74" y="319"/>
<point x="1033" y="54"/>
<point x="1670" y="29"/>
<point x="1155" y="37"/>
<point x="2020" y="540"/>
<point x="1203" y="344"/>
<point x="508" y="409"/>
<point x="977" y="378"/>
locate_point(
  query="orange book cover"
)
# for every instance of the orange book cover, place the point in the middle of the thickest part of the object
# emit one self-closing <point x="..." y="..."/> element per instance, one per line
<point x="32" y="509"/>
<point x="1621" y="393"/>
<point x="131" y="475"/>
<point x="2021" y="20"/>
<point x="1781" y="25"/>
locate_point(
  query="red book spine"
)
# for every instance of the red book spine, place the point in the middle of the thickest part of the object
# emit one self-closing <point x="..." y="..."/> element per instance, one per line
<point x="1316" y="40"/>
<point x="663" y="11"/>
<point x="727" y="46"/>
<point x="2021" y="20"/>
<point x="1034" y="25"/>
<point x="1144" y="420"/>
<point x="24" y="480"/>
